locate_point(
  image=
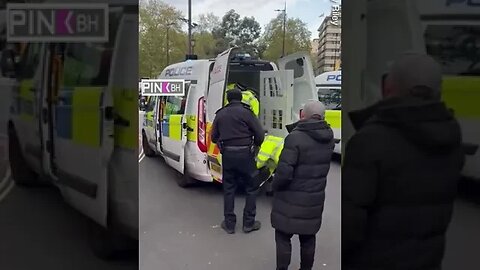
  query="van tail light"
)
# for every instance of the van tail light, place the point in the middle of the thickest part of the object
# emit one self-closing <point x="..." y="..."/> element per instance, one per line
<point x="201" y="126"/>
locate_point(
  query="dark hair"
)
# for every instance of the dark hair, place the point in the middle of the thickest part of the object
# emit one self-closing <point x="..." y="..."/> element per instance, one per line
<point x="234" y="94"/>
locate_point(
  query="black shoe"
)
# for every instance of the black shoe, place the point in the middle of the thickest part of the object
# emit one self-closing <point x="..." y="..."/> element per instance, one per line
<point x="228" y="230"/>
<point x="256" y="226"/>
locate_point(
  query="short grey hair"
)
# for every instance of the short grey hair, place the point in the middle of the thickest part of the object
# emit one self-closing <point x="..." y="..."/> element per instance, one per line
<point x="416" y="74"/>
<point x="312" y="108"/>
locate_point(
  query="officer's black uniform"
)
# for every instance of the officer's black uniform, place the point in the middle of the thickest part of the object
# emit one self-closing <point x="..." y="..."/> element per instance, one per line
<point x="237" y="131"/>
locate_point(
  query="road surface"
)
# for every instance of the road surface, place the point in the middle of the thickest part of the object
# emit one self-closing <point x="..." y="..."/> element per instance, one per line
<point x="179" y="228"/>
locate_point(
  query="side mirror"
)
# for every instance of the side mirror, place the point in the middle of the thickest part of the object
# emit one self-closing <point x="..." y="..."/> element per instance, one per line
<point x="7" y="64"/>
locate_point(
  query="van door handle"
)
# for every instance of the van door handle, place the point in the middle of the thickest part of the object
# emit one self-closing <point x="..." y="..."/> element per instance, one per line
<point x="185" y="126"/>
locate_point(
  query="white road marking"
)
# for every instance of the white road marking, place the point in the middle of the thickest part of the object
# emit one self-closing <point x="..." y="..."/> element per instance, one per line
<point x="6" y="179"/>
<point x="10" y="186"/>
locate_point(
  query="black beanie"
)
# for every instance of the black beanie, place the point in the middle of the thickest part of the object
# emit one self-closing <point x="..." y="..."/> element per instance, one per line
<point x="234" y="94"/>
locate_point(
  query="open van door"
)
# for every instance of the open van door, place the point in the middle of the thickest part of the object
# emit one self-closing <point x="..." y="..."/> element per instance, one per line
<point x="303" y="80"/>
<point x="214" y="101"/>
<point x="85" y="103"/>
<point x="276" y="99"/>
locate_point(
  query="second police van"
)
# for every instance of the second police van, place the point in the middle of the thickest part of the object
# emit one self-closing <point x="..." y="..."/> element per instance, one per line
<point x="446" y="30"/>
<point x="178" y="128"/>
<point x="329" y="86"/>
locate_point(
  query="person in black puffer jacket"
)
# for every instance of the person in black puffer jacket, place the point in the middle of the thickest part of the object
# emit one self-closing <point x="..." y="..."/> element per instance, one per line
<point x="299" y="185"/>
<point x="400" y="173"/>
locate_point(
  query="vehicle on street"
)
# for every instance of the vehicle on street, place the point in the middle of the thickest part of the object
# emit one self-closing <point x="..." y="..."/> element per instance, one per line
<point x="446" y="30"/>
<point x="329" y="86"/>
<point x="73" y="124"/>
<point x="178" y="127"/>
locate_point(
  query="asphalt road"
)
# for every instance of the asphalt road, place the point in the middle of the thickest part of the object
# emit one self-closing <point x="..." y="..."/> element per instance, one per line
<point x="39" y="231"/>
<point x="179" y="228"/>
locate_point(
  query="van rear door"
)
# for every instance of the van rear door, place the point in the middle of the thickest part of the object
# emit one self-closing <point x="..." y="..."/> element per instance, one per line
<point x="304" y="80"/>
<point x="276" y="99"/>
<point x="215" y="96"/>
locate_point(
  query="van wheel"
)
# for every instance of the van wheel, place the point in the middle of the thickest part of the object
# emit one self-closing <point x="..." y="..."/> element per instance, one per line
<point x="106" y="244"/>
<point x="185" y="180"/>
<point x="146" y="147"/>
<point x="21" y="173"/>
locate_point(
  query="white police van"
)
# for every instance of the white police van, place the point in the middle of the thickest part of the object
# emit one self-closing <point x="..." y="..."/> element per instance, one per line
<point x="443" y="29"/>
<point x="179" y="128"/>
<point x="329" y="87"/>
<point x="73" y="124"/>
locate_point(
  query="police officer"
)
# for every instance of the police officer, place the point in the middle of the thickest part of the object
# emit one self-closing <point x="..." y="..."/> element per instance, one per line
<point x="237" y="132"/>
<point x="248" y="97"/>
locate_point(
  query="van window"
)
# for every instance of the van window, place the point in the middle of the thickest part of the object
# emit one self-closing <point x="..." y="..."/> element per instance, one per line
<point x="455" y="47"/>
<point x="88" y="64"/>
<point x="330" y="97"/>
<point x="297" y="67"/>
<point x="30" y="61"/>
<point x="176" y="104"/>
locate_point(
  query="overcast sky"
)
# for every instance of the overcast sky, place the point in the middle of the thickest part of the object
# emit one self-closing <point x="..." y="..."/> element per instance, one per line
<point x="263" y="10"/>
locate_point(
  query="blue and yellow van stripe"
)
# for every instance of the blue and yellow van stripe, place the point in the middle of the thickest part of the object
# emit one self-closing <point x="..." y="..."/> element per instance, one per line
<point x="79" y="116"/>
<point x="192" y="123"/>
<point x="25" y="100"/>
<point x="125" y="104"/>
<point x="172" y="127"/>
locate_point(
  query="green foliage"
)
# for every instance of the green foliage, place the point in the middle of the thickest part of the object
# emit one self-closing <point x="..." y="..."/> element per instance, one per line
<point x="297" y="38"/>
<point x="211" y="37"/>
<point x="234" y="31"/>
<point x="156" y="18"/>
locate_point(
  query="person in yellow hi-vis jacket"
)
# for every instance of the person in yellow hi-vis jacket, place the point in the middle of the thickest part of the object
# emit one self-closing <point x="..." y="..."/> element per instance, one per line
<point x="248" y="97"/>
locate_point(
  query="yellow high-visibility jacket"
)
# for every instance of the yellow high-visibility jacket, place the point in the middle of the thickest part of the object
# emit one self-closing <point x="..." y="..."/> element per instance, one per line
<point x="269" y="153"/>
<point x="248" y="97"/>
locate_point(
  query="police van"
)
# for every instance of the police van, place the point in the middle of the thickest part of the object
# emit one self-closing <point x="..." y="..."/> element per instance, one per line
<point x="329" y="86"/>
<point x="446" y="30"/>
<point x="73" y="123"/>
<point x="179" y="128"/>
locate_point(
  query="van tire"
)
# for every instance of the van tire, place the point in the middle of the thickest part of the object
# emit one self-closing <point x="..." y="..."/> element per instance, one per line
<point x="147" y="150"/>
<point x="21" y="173"/>
<point x="106" y="244"/>
<point x="185" y="180"/>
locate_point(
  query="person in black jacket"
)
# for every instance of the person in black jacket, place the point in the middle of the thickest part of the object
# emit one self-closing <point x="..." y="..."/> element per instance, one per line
<point x="237" y="132"/>
<point x="299" y="185"/>
<point x="400" y="173"/>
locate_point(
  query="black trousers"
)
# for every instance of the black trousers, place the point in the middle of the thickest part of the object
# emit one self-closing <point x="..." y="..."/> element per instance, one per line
<point x="284" y="250"/>
<point x="238" y="168"/>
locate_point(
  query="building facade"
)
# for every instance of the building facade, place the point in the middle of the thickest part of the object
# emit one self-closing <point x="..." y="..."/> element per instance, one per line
<point x="329" y="45"/>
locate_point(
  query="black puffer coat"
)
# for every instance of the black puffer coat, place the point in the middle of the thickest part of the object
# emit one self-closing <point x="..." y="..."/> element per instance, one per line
<point x="301" y="177"/>
<point x="399" y="179"/>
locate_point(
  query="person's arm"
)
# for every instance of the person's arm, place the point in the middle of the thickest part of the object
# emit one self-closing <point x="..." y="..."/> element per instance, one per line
<point x="215" y="133"/>
<point x="256" y="127"/>
<point x="286" y="164"/>
<point x="359" y="187"/>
